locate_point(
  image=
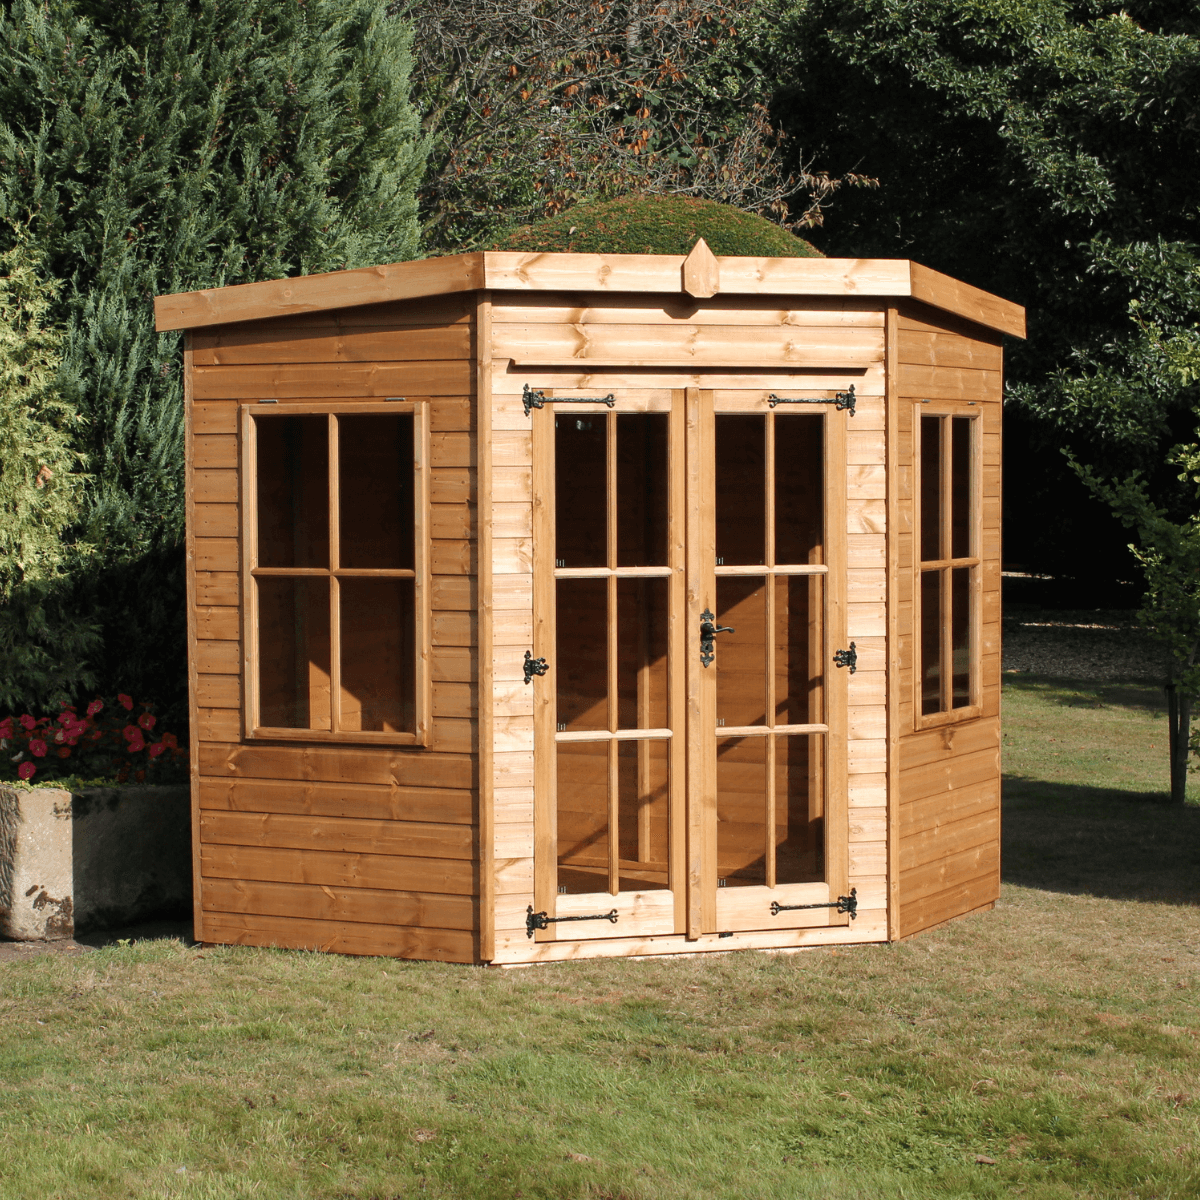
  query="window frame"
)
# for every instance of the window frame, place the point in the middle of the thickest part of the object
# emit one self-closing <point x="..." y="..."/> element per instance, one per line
<point x="254" y="410"/>
<point x="947" y="409"/>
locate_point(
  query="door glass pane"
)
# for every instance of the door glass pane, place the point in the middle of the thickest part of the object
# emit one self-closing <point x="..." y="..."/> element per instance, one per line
<point x="931" y="489"/>
<point x="931" y="642"/>
<point x="581" y="490"/>
<point x="799" y="650"/>
<point x="960" y="634"/>
<point x="741" y="491"/>
<point x="960" y="487"/>
<point x="583" y="816"/>
<point x="642" y="482"/>
<point x="741" y="811"/>
<point x="581" y="663"/>
<point x="799" y="808"/>
<point x="799" y="489"/>
<point x="293" y="653"/>
<point x="643" y="803"/>
<point x="378" y="676"/>
<point x="741" y="662"/>
<point x="642" y="653"/>
<point x="293" y="491"/>
<point x="375" y="486"/>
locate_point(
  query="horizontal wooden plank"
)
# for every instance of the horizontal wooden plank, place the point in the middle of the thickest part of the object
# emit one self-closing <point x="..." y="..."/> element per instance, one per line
<point x="244" y="345"/>
<point x="952" y="837"/>
<point x="454" y="736"/>
<point x="547" y="308"/>
<point x="215" y="487"/>
<point x="216" y="554"/>
<point x="333" y="381"/>
<point x="452" y="876"/>
<point x="947" y="383"/>
<point x="955" y="901"/>
<point x="948" y="350"/>
<point x="215" y="451"/>
<point x="365" y="905"/>
<point x="949" y="871"/>
<point x="219" y="724"/>
<point x="339" y="764"/>
<point x="932" y="812"/>
<point x="454" y="664"/>
<point x="295" y="831"/>
<point x="218" y="658"/>
<point x="949" y="774"/>
<point x="452" y="557"/>
<point x="451" y="413"/>
<point x="218" y="588"/>
<point x="360" y="801"/>
<point x="218" y="691"/>
<point x="449" y="309"/>
<point x="394" y="941"/>
<point x="218" y="624"/>
<point x="942" y="291"/>
<point x="933" y="745"/>
<point x="214" y="416"/>
<point x="451" y="485"/>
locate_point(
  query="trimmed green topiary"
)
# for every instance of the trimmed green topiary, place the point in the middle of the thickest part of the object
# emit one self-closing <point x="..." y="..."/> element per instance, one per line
<point x="657" y="225"/>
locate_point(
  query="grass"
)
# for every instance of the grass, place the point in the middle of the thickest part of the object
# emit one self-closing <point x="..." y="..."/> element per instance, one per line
<point x="1057" y="1039"/>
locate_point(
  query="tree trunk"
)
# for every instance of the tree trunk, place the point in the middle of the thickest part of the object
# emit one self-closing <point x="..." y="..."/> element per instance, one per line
<point x="1179" y="729"/>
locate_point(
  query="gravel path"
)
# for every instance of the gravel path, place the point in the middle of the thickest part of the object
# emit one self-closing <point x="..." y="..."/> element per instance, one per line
<point x="1093" y="644"/>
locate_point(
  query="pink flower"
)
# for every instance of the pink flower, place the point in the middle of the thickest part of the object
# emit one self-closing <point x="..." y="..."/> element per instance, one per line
<point x="37" y="747"/>
<point x="136" y="743"/>
<point x="26" y="770"/>
<point x="125" y="701"/>
<point x="156" y="748"/>
<point x="130" y="732"/>
<point x="64" y="752"/>
<point x="95" y="706"/>
<point x="170" y="740"/>
<point x="27" y="722"/>
<point x="147" y="720"/>
<point x="6" y="729"/>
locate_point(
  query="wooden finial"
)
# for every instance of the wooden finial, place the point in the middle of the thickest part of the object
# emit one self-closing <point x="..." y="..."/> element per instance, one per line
<point x="701" y="275"/>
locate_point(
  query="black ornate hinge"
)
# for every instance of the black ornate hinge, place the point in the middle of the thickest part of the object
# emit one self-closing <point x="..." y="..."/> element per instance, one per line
<point x="534" y="921"/>
<point x="534" y="666"/>
<point x="846" y="658"/>
<point x="536" y="399"/>
<point x="843" y="904"/>
<point x="708" y="631"/>
<point x="840" y="400"/>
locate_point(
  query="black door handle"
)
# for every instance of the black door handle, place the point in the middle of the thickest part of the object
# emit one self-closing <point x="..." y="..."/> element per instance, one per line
<point x="708" y="631"/>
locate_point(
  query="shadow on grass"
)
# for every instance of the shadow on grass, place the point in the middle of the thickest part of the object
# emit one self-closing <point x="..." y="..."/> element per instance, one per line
<point x="1099" y="842"/>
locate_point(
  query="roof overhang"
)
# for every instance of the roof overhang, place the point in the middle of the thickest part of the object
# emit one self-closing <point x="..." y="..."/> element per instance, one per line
<point x="517" y="272"/>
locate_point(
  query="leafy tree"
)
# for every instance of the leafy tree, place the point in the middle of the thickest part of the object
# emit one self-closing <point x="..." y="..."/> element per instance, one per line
<point x="167" y="145"/>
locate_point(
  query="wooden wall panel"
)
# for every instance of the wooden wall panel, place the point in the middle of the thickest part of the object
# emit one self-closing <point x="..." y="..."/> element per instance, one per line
<point x="358" y="849"/>
<point x="948" y="777"/>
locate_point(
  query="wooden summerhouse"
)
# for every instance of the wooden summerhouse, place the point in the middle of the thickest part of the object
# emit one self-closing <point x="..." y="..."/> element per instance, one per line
<point x="560" y="605"/>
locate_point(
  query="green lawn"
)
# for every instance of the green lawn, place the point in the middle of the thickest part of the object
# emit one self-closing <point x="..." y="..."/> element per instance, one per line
<point x="1048" y="1049"/>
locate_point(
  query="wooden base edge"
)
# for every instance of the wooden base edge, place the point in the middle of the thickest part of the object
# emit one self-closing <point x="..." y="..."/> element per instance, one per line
<point x="971" y="912"/>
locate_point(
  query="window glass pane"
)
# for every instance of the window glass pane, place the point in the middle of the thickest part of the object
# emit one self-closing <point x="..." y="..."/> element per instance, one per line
<point x="799" y="650"/>
<point x="643" y="802"/>
<point x="642" y="653"/>
<point x="378" y="664"/>
<point x="799" y="808"/>
<point x="741" y="811"/>
<point x="931" y="489"/>
<point x="960" y="487"/>
<point x="293" y="491"/>
<point x="931" y="642"/>
<point x="799" y="488"/>
<point x="581" y="490"/>
<point x="293" y="653"/>
<point x="741" y="663"/>
<point x="581" y="664"/>
<point x="583" y="816"/>
<point x="375" y="490"/>
<point x="741" y="491"/>
<point x="642" y="481"/>
<point x="960" y="640"/>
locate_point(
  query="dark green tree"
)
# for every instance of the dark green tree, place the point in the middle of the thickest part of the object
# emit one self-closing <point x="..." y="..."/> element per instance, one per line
<point x="167" y="145"/>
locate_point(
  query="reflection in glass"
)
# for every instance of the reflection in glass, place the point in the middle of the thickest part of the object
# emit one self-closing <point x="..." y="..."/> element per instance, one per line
<point x="583" y="816"/>
<point x="799" y="488"/>
<point x="642" y="653"/>
<point x="741" y="490"/>
<point x="960" y="487"/>
<point x="642" y="481"/>
<point x="643" y="805"/>
<point x="375" y="484"/>
<point x="931" y="642"/>
<point x="378" y="689"/>
<point x="960" y="635"/>
<point x="931" y="489"/>
<point x="799" y="656"/>
<point x="293" y="491"/>
<point x="293" y="653"/>
<point x="741" y="656"/>
<point x="741" y="811"/>
<point x="581" y="488"/>
<point x="581" y="662"/>
<point x="799" y="809"/>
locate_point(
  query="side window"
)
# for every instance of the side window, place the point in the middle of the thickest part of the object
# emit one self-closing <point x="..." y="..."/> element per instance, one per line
<point x="336" y="585"/>
<point x="948" y="574"/>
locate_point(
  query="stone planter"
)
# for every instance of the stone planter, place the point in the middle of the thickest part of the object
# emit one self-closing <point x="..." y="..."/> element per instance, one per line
<point x="93" y="860"/>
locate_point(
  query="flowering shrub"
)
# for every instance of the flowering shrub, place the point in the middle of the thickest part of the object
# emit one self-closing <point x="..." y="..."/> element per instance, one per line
<point x="108" y="741"/>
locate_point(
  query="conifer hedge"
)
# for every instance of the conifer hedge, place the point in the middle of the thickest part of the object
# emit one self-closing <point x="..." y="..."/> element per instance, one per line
<point x="158" y="146"/>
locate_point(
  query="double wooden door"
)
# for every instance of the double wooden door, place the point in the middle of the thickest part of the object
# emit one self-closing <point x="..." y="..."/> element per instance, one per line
<point x="690" y="741"/>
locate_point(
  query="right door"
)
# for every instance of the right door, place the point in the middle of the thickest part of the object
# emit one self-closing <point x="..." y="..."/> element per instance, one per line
<point x="766" y="735"/>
